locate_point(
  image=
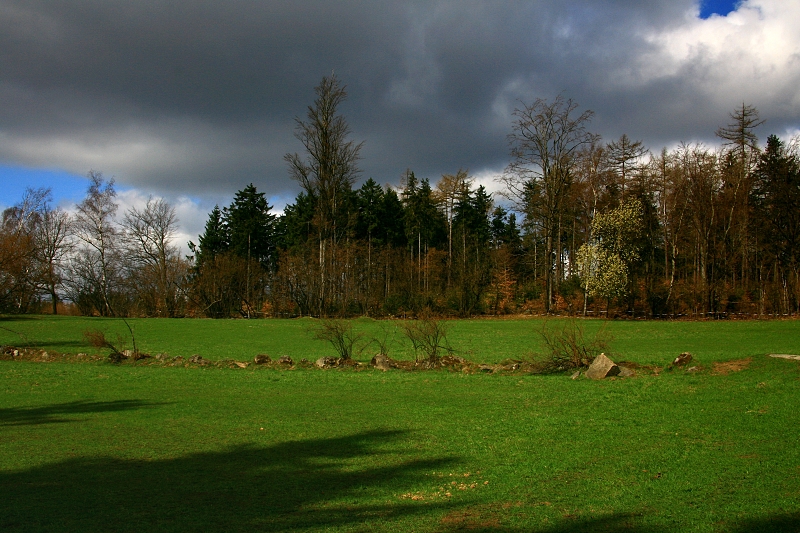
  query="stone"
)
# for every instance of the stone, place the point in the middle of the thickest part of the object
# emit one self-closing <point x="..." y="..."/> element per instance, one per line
<point x="198" y="360"/>
<point x="262" y="359"/>
<point x="602" y="367"/>
<point x="381" y="362"/>
<point x="486" y="368"/>
<point x="785" y="356"/>
<point x="576" y="375"/>
<point x="683" y="359"/>
<point x="625" y="372"/>
<point x="325" y="362"/>
<point x="285" y="360"/>
<point x="240" y="364"/>
<point x="127" y="353"/>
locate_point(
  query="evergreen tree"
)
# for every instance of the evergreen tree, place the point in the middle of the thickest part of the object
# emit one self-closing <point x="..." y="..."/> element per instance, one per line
<point x="296" y="226"/>
<point x="214" y="240"/>
<point x="251" y="226"/>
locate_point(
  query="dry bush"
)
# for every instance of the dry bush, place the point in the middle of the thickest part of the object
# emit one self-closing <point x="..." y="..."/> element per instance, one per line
<point x="383" y="340"/>
<point x="569" y="347"/>
<point x="97" y="338"/>
<point x="340" y="334"/>
<point x="428" y="336"/>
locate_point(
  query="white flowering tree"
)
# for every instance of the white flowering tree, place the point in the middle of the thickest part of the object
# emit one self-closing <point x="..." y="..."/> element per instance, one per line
<point x="605" y="262"/>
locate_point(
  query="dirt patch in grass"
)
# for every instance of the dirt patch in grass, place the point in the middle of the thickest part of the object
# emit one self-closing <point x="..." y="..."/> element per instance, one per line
<point x="726" y="367"/>
<point x="470" y="519"/>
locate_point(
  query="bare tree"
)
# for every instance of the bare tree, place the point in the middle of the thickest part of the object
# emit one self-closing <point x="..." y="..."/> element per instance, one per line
<point x="545" y="138"/>
<point x="449" y="189"/>
<point x="149" y="233"/>
<point x="51" y="248"/>
<point x="328" y="171"/>
<point x="95" y="227"/>
<point x="625" y="156"/>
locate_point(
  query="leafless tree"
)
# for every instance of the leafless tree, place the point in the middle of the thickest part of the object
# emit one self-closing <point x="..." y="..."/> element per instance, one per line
<point x="148" y="234"/>
<point x="625" y="158"/>
<point x="52" y="245"/>
<point x="545" y="138"/>
<point x="328" y="171"/>
<point x="96" y="229"/>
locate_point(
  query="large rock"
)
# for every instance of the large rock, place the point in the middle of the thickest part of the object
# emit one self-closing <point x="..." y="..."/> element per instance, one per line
<point x="381" y="362"/>
<point x="602" y="367"/>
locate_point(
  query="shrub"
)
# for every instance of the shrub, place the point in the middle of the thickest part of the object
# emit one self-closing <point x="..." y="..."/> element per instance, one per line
<point x="383" y="340"/>
<point x="428" y="337"/>
<point x="340" y="334"/>
<point x="569" y="347"/>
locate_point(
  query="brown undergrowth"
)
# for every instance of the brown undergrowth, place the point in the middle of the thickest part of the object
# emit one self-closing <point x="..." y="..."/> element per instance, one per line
<point x="726" y="367"/>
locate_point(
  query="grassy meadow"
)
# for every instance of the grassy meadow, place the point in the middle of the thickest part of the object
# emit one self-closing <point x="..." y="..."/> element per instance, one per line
<point x="479" y="340"/>
<point x="94" y="446"/>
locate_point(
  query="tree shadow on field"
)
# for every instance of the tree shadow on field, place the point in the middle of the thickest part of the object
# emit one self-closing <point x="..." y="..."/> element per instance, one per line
<point x="301" y="485"/>
<point x="55" y="414"/>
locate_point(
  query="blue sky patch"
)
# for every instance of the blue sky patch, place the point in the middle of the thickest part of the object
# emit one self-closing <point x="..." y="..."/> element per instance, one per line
<point x="717" y="7"/>
<point x="15" y="179"/>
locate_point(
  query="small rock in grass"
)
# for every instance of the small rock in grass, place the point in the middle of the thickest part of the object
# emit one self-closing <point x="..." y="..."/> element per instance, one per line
<point x="576" y="375"/>
<point x="602" y="367"/>
<point x="381" y="362"/>
<point x="262" y="359"/>
<point x="683" y="359"/>
<point x="285" y="360"/>
<point x="240" y="364"/>
<point x="325" y="362"/>
<point x="625" y="372"/>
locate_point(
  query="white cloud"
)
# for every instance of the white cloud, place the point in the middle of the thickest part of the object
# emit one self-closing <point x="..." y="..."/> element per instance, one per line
<point x="751" y="55"/>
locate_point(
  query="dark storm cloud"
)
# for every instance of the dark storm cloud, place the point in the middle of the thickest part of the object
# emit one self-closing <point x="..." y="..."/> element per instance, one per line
<point x="199" y="97"/>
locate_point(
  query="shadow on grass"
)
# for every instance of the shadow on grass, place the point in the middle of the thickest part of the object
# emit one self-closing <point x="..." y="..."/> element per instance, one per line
<point x="352" y="482"/>
<point x="59" y="413"/>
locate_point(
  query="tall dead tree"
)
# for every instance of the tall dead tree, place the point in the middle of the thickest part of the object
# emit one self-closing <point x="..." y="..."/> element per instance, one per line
<point x="328" y="171"/>
<point x="546" y="137"/>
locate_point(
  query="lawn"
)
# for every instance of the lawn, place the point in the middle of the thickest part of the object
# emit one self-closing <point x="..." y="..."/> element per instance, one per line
<point x="480" y="340"/>
<point x="100" y="447"/>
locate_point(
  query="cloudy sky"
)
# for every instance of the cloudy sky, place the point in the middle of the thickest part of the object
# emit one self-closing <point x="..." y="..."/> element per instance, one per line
<point x="192" y="100"/>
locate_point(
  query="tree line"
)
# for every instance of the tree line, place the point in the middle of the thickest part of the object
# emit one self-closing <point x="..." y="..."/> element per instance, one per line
<point x="583" y="227"/>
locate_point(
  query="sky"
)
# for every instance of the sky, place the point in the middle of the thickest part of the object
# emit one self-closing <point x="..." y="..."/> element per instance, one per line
<point x="191" y="100"/>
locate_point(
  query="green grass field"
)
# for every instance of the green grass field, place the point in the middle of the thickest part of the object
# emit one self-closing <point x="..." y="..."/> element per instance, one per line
<point x="100" y="447"/>
<point x="485" y="341"/>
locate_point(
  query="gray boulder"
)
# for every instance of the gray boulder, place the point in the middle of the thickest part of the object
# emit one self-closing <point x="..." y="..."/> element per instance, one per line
<point x="381" y="362"/>
<point x="326" y="362"/>
<point x="602" y="367"/>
